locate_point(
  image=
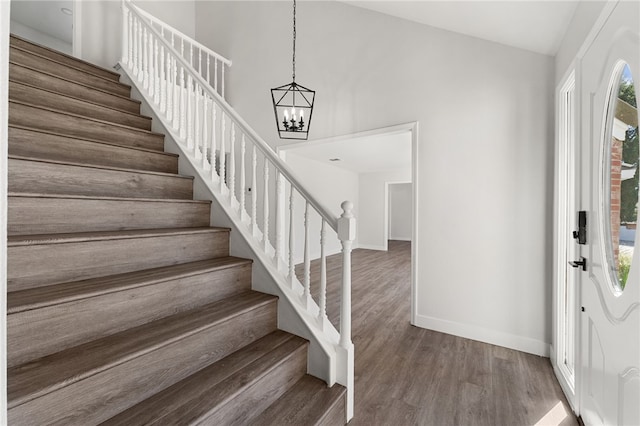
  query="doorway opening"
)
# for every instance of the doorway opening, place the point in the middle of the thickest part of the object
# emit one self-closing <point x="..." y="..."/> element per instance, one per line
<point x="364" y="165"/>
<point x="53" y="24"/>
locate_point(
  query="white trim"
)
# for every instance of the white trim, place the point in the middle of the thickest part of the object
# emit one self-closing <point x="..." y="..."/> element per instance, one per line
<point x="565" y="208"/>
<point x="372" y="247"/>
<point x="486" y="335"/>
<point x="387" y="208"/>
<point x="76" y="34"/>
<point x="5" y="8"/>
<point x="399" y="239"/>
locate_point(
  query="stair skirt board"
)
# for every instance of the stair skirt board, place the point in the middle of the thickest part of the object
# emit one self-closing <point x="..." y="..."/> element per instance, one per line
<point x="124" y="305"/>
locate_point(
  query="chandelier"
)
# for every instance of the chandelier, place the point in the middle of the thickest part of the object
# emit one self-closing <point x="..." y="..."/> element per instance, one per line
<point x="293" y="103"/>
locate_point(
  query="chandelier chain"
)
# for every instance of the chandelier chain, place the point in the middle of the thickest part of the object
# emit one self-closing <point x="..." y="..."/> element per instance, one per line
<point x="294" y="41"/>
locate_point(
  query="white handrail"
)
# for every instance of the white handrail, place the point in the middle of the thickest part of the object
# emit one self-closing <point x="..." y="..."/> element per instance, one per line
<point x="213" y="137"/>
<point x="155" y="20"/>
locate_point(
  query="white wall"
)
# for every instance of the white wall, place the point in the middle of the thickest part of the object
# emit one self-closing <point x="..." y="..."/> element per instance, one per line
<point x="100" y="28"/>
<point x="331" y="186"/>
<point x="36" y="36"/>
<point x="400" y="195"/>
<point x="373" y="220"/>
<point x="484" y="151"/>
<point x="585" y="16"/>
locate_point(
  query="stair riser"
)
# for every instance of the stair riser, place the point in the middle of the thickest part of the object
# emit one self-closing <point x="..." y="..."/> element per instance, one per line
<point x="38" y="265"/>
<point x="106" y="393"/>
<point x="30" y="216"/>
<point x="40" y="332"/>
<point x="72" y="125"/>
<point x="40" y="97"/>
<point x="59" y="57"/>
<point x="71" y="88"/>
<point x="27" y="59"/>
<point x="256" y="398"/>
<point x="47" y="146"/>
<point x="51" y="178"/>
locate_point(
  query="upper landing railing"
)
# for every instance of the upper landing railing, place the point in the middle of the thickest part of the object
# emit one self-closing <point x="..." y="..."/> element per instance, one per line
<point x="183" y="81"/>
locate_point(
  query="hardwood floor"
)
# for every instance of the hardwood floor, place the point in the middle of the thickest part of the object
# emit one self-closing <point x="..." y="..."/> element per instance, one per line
<point x="406" y="375"/>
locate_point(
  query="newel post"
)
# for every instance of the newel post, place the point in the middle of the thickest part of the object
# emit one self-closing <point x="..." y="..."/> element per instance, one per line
<point x="346" y="234"/>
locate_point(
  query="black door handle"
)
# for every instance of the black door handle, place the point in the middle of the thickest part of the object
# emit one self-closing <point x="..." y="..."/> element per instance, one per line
<point x="582" y="263"/>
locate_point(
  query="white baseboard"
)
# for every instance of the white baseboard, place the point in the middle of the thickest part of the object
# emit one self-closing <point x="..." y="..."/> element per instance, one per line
<point x="473" y="332"/>
<point x="372" y="247"/>
<point x="400" y="238"/>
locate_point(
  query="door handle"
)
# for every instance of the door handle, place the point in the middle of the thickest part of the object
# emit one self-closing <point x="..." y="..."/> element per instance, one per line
<point x="582" y="263"/>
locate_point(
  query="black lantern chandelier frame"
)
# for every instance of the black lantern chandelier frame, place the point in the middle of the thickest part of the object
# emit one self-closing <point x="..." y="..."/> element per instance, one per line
<point x="293" y="103"/>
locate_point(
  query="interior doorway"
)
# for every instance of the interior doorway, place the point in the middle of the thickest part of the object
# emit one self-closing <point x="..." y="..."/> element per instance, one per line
<point x="364" y="165"/>
<point x="52" y="23"/>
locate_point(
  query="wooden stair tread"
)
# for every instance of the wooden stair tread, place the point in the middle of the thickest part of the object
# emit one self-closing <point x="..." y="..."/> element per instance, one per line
<point x="24" y="300"/>
<point x="47" y="59"/>
<point x="114" y="74"/>
<point x="75" y="98"/>
<point x="307" y="402"/>
<point x="45" y="375"/>
<point x="136" y="148"/>
<point x="106" y="92"/>
<point x="95" y="197"/>
<point x="190" y="399"/>
<point x="25" y="240"/>
<point x="135" y="129"/>
<point x="98" y="166"/>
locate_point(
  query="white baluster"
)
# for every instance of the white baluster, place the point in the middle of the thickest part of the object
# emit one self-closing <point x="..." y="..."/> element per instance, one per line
<point x="254" y="191"/>
<point x="215" y="76"/>
<point x="208" y="68"/>
<point x="156" y="71"/>
<point x="183" y="105"/>
<point x="292" y="266"/>
<point x="145" y="59"/>
<point x="200" y="62"/>
<point x="139" y="50"/>
<point x="346" y="234"/>
<point x="205" y="129"/>
<point x="163" y="81"/>
<point x="223" y="159"/>
<point x="189" y="113"/>
<point x="306" y="297"/>
<point x="322" y="313"/>
<point x="232" y="164"/>
<point x="197" y="135"/>
<point x="214" y="132"/>
<point x="125" y="34"/>
<point x="150" y="69"/>
<point x="278" y="236"/>
<point x="265" y="207"/>
<point x="222" y="78"/>
<point x="242" y="176"/>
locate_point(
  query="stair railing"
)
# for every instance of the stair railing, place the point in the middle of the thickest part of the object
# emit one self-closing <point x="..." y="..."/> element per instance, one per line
<point x="252" y="184"/>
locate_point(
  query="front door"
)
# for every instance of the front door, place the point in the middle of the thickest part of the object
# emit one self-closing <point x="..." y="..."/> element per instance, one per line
<point x="610" y="285"/>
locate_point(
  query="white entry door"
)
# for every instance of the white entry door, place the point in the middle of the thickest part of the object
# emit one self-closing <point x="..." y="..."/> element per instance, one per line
<point x="609" y="382"/>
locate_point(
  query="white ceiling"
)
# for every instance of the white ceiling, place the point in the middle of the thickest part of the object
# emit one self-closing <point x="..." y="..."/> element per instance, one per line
<point x="45" y="16"/>
<point x="538" y="26"/>
<point x="367" y="154"/>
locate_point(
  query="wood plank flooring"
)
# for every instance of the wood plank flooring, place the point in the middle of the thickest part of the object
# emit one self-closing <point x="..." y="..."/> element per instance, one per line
<point x="406" y="375"/>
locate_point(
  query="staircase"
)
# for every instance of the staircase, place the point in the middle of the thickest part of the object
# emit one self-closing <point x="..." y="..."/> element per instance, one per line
<point x="124" y="306"/>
